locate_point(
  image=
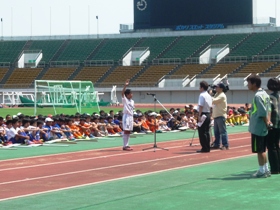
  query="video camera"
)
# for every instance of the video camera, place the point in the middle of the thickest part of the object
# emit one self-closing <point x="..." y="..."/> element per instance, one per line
<point x="223" y="81"/>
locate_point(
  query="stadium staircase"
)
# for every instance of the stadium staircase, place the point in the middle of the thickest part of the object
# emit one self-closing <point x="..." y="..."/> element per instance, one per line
<point x="48" y="47"/>
<point x="76" y="72"/>
<point x="92" y="73"/>
<point x="156" y="45"/>
<point x="206" y="70"/>
<point x="272" y="49"/>
<point x="114" y="49"/>
<point x="172" y="44"/>
<point x="139" y="42"/>
<point x="172" y="72"/>
<point x="273" y="70"/>
<point x="139" y="73"/>
<point x="96" y="50"/>
<point x="231" y="39"/>
<point x="27" y="45"/>
<point x="43" y="72"/>
<point x="102" y="78"/>
<point x="202" y="47"/>
<point x="191" y="69"/>
<point x="78" y="49"/>
<point x="60" y="50"/>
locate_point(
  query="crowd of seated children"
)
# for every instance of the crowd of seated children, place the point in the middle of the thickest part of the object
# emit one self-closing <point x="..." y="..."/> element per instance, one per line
<point x="238" y="116"/>
<point x="37" y="129"/>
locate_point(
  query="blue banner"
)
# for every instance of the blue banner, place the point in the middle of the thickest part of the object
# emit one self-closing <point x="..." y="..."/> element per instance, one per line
<point x="199" y="27"/>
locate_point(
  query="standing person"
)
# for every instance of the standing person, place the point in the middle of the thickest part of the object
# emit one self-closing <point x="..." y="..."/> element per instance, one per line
<point x="220" y="115"/>
<point x="204" y="105"/>
<point x="127" y="119"/>
<point x="258" y="124"/>
<point x="273" y="136"/>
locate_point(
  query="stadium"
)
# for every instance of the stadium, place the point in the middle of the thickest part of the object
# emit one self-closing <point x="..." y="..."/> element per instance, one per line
<point x="167" y="52"/>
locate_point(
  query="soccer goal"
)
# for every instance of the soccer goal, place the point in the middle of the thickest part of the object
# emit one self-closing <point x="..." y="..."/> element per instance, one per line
<point x="67" y="97"/>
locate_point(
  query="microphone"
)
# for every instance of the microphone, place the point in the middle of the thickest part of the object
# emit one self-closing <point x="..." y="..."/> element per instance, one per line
<point x="151" y="94"/>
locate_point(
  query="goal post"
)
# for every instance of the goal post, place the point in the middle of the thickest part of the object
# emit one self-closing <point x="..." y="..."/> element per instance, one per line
<point x="67" y="97"/>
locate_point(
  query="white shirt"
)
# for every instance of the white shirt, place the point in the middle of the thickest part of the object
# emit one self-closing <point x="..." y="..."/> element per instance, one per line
<point x="205" y="100"/>
<point x="11" y="132"/>
<point x="128" y="106"/>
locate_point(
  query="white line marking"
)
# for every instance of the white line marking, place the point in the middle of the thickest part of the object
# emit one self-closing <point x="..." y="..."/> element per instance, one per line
<point x="122" y="178"/>
<point x="84" y="151"/>
<point x="92" y="158"/>
<point x="108" y="167"/>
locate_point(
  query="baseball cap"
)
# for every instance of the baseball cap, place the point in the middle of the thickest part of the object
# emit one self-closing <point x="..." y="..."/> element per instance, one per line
<point x="153" y="114"/>
<point x="221" y="85"/>
<point x="48" y="119"/>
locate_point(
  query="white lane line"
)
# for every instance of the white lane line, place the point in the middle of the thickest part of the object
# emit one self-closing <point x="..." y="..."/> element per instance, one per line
<point x="92" y="158"/>
<point x="107" y="167"/>
<point x="100" y="149"/>
<point x="126" y="177"/>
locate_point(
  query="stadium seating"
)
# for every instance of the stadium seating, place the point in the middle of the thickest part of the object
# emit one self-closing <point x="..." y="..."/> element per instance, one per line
<point x="92" y="73"/>
<point x="10" y="50"/>
<point x="222" y="69"/>
<point x="156" y="45"/>
<point x="257" y="67"/>
<point x="191" y="69"/>
<point x="48" y="47"/>
<point x="254" y="44"/>
<point x="231" y="39"/>
<point x="186" y="46"/>
<point x="274" y="50"/>
<point x="152" y="75"/>
<point x="22" y="78"/>
<point x="114" y="49"/>
<point x="78" y="50"/>
<point x="3" y="71"/>
<point x="121" y="72"/>
<point x="58" y="74"/>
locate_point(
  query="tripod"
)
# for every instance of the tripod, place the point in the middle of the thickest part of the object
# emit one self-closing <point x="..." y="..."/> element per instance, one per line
<point x="155" y="135"/>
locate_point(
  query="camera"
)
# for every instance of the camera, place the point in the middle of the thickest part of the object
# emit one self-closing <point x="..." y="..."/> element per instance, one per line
<point x="224" y="84"/>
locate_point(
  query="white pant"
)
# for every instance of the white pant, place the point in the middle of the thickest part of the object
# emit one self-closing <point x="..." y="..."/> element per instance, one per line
<point x="127" y="122"/>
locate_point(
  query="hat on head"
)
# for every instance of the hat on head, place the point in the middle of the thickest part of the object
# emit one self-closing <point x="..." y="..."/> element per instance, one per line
<point x="221" y="85"/>
<point x="153" y="114"/>
<point x="18" y="114"/>
<point x="48" y="119"/>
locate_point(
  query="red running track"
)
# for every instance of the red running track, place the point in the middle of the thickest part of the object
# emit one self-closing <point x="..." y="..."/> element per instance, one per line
<point x="35" y="175"/>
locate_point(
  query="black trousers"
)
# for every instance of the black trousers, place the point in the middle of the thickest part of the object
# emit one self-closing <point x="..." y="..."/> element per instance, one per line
<point x="272" y="142"/>
<point x="204" y="134"/>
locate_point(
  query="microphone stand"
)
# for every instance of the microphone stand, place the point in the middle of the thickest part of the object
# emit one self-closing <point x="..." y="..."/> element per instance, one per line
<point x="155" y="135"/>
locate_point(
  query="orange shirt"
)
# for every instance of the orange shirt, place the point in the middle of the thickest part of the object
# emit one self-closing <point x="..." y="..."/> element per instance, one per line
<point x="151" y="124"/>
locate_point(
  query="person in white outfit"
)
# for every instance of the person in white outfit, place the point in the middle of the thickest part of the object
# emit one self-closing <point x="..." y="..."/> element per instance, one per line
<point x="127" y="120"/>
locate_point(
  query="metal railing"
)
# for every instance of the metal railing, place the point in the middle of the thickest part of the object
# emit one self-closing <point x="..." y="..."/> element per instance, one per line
<point x="266" y="58"/>
<point x="234" y="59"/>
<point x="166" y="61"/>
<point x="99" y="63"/>
<point x="5" y="64"/>
<point x="64" y="63"/>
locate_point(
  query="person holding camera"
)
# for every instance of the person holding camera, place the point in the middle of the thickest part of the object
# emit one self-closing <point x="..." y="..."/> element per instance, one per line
<point x="273" y="135"/>
<point x="219" y="101"/>
<point x="204" y="118"/>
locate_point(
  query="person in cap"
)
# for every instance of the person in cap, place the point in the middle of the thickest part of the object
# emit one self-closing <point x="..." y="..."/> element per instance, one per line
<point x="219" y="114"/>
<point x="127" y="119"/>
<point x="259" y="123"/>
<point x="151" y="121"/>
<point x="204" y="118"/>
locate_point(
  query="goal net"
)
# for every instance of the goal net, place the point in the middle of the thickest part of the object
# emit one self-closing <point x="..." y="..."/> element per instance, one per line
<point x="67" y="97"/>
